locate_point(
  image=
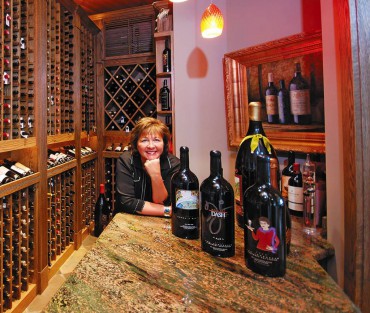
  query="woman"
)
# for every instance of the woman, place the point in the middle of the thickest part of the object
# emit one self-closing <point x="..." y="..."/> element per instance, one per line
<point x="143" y="173"/>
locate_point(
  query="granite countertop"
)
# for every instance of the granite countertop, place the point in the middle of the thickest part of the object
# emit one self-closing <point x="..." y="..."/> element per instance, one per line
<point x="137" y="265"/>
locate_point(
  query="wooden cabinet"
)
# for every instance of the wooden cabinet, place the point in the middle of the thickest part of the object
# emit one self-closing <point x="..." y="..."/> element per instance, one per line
<point x="163" y="39"/>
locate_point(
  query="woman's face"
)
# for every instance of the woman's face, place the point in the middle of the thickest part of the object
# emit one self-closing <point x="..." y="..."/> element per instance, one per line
<point x="150" y="146"/>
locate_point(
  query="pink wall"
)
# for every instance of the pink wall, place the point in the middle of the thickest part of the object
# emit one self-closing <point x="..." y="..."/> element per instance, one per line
<point x="200" y="112"/>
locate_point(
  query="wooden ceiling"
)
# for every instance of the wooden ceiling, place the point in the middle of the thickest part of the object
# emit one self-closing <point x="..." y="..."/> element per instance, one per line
<point x="101" y="6"/>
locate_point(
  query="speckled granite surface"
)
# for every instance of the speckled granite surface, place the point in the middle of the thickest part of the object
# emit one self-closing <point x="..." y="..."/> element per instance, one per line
<point x="137" y="265"/>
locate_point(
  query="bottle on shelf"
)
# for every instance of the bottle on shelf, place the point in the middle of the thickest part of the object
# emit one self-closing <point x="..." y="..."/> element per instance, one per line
<point x="265" y="246"/>
<point x="286" y="173"/>
<point x="254" y="143"/>
<point x="101" y="213"/>
<point x="310" y="221"/>
<point x="7" y="172"/>
<point x="295" y="191"/>
<point x="166" y="57"/>
<point x="164" y="97"/>
<point x="299" y="91"/>
<point x="185" y="200"/>
<point x="285" y="115"/>
<point x="118" y="148"/>
<point x="271" y="101"/>
<point x="217" y="211"/>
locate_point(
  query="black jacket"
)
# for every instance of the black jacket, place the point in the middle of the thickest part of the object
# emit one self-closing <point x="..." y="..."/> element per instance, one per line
<point x="133" y="184"/>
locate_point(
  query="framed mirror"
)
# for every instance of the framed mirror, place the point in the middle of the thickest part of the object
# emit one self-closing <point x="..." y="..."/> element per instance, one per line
<point x="245" y="80"/>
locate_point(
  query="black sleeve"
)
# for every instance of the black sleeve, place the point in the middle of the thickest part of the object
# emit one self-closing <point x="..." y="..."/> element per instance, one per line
<point x="125" y="187"/>
<point x="175" y="166"/>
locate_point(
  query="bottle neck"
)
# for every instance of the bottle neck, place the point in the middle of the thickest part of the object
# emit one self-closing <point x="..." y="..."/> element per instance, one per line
<point x="291" y="158"/>
<point x="255" y="127"/>
<point x="263" y="170"/>
<point x="282" y="84"/>
<point x="184" y="159"/>
<point x="216" y="166"/>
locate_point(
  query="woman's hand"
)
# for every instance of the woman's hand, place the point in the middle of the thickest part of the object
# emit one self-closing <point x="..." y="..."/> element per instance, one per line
<point x="153" y="168"/>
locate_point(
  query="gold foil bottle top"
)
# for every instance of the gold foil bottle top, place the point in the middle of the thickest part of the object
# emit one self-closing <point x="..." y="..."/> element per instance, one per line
<point x="255" y="111"/>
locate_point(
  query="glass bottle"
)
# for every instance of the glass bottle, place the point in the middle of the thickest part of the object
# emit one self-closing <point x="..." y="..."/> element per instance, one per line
<point x="309" y="196"/>
<point x="185" y="200"/>
<point x="217" y="211"/>
<point x="265" y="247"/>
<point x="285" y="116"/>
<point x="295" y="191"/>
<point x="164" y="97"/>
<point x="101" y="213"/>
<point x="254" y="143"/>
<point x="166" y="57"/>
<point x="300" y="98"/>
<point x="286" y="173"/>
<point x="271" y="101"/>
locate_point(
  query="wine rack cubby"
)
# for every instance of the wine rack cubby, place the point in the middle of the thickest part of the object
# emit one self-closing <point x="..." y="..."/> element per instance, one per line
<point x="16" y="66"/>
<point x="130" y="94"/>
<point x="17" y="245"/>
<point x="88" y="195"/>
<point x="61" y="211"/>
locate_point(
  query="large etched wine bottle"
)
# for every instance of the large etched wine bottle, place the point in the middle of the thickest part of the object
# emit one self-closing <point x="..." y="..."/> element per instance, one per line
<point x="265" y="224"/>
<point x="217" y="212"/>
<point x="185" y="200"/>
<point x="254" y="143"/>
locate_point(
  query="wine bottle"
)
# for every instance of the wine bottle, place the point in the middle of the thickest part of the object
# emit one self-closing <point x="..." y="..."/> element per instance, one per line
<point x="217" y="212"/>
<point x="285" y="116"/>
<point x="309" y="196"/>
<point x="295" y="191"/>
<point x="271" y="101"/>
<point x="5" y="179"/>
<point x="265" y="224"/>
<point x="164" y="97"/>
<point x="7" y="172"/>
<point x="118" y="148"/>
<point x="286" y="173"/>
<point x="101" y="213"/>
<point x="185" y="200"/>
<point x="300" y="98"/>
<point x="254" y="143"/>
<point x="166" y="58"/>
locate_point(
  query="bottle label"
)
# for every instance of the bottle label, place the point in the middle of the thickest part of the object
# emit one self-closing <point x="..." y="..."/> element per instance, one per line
<point x="295" y="198"/>
<point x="300" y="102"/>
<point x="187" y="199"/>
<point x="271" y="105"/>
<point x="217" y="225"/>
<point x="263" y="245"/>
<point x="284" y="186"/>
<point x="185" y="215"/>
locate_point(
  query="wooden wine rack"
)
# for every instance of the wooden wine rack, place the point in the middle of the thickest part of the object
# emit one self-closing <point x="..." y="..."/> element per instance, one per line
<point x="88" y="195"/>
<point x="17" y="245"/>
<point x="110" y="181"/>
<point x="16" y="66"/>
<point x="130" y="94"/>
<point x="47" y="101"/>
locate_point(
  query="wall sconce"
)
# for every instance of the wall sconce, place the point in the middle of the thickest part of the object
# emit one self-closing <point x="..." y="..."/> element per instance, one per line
<point x="212" y="22"/>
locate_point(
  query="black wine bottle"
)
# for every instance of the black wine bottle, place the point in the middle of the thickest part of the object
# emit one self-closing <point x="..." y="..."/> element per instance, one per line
<point x="164" y="97"/>
<point x="101" y="213"/>
<point x="286" y="173"/>
<point x="295" y="191"/>
<point x="285" y="116"/>
<point x="265" y="224"/>
<point x="271" y="101"/>
<point x="300" y="98"/>
<point x="166" y="57"/>
<point x="185" y="200"/>
<point x="254" y="143"/>
<point x="7" y="172"/>
<point x="217" y="212"/>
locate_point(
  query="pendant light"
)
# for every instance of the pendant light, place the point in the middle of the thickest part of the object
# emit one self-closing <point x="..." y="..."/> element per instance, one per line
<point x="212" y="22"/>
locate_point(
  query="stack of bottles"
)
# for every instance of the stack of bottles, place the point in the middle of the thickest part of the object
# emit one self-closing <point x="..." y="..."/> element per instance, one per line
<point x="13" y="170"/>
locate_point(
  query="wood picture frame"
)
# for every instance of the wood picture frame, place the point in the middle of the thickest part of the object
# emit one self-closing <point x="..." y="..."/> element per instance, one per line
<point x="245" y="77"/>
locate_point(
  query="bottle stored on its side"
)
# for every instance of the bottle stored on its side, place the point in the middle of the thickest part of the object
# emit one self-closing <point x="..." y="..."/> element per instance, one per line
<point x="300" y="104"/>
<point x="285" y="115"/>
<point x="254" y="143"/>
<point x="217" y="212"/>
<point x="164" y="97"/>
<point x="185" y="200"/>
<point x="166" y="57"/>
<point x="265" y="247"/>
<point x="7" y="172"/>
<point x="101" y="213"/>
<point x="295" y="191"/>
<point x="272" y="101"/>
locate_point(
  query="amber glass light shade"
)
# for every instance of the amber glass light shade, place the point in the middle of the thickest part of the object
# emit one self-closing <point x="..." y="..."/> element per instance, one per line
<point x="212" y="22"/>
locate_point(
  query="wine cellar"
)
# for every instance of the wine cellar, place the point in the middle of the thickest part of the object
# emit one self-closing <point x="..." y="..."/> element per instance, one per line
<point x="68" y="104"/>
